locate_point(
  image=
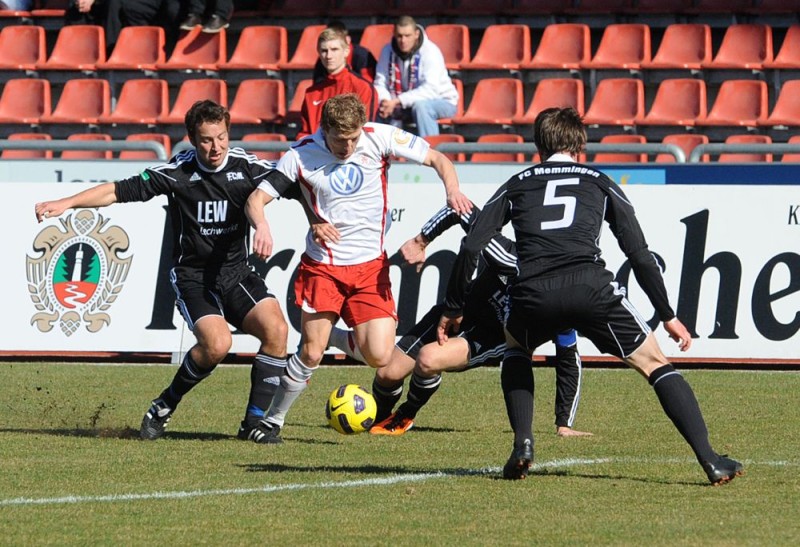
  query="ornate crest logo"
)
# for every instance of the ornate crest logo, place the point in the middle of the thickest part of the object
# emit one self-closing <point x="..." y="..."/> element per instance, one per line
<point x="79" y="274"/>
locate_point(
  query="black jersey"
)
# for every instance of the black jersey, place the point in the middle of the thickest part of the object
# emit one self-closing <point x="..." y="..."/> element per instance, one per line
<point x="485" y="303"/>
<point x="557" y="209"/>
<point x="207" y="209"/>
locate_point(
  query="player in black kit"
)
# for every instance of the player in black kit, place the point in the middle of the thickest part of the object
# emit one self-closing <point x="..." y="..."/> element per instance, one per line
<point x="557" y="209"/>
<point x="207" y="189"/>
<point x="481" y="341"/>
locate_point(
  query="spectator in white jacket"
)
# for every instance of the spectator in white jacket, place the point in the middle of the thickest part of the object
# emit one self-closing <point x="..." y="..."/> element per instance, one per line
<point x="412" y="81"/>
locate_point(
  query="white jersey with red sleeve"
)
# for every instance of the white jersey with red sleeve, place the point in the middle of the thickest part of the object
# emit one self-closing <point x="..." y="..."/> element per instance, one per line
<point x="350" y="194"/>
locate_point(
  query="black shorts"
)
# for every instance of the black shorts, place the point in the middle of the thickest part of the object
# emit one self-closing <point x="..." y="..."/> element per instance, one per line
<point x="486" y="347"/>
<point x="588" y="300"/>
<point x="194" y="300"/>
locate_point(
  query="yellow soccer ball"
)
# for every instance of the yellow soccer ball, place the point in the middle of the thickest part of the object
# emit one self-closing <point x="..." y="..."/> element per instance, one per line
<point x="351" y="409"/>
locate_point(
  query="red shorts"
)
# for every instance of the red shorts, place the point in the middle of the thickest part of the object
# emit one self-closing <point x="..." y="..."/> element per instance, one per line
<point x="356" y="293"/>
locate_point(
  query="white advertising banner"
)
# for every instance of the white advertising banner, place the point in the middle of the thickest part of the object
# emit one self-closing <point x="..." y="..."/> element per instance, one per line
<point x="96" y="280"/>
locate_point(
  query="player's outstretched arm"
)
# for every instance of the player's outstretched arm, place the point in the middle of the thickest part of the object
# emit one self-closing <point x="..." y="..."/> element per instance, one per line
<point x="447" y="172"/>
<point x="678" y="332"/>
<point x="98" y="196"/>
<point x="254" y="209"/>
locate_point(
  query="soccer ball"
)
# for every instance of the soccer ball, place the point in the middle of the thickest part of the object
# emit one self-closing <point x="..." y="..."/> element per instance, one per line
<point x="351" y="409"/>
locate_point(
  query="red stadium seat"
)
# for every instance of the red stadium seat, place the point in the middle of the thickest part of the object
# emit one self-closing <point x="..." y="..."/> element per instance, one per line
<point x="160" y="138"/>
<point x="786" y="112"/>
<point x="25" y="101"/>
<point x="88" y="154"/>
<point x="617" y="101"/>
<point x="793" y="157"/>
<point x="683" y="46"/>
<point x="488" y="157"/>
<point x="622" y="46"/>
<point x="27" y="154"/>
<point x="687" y="141"/>
<point x="679" y="101"/>
<point x="436" y="140"/>
<point x="453" y="40"/>
<point x="197" y="50"/>
<point x="375" y="37"/>
<point x="77" y="47"/>
<point x="137" y="48"/>
<point x="502" y="47"/>
<point x="746" y="158"/>
<point x="305" y="55"/>
<point x="564" y="46"/>
<point x="260" y="47"/>
<point x="618" y="157"/>
<point x="743" y="47"/>
<point x="554" y="92"/>
<point x="141" y="101"/>
<point x="788" y="56"/>
<point x="259" y="101"/>
<point x="495" y="101"/>
<point x="192" y="91"/>
<point x="82" y="101"/>
<point x="23" y="47"/>
<point x="262" y="137"/>
<point x="739" y="103"/>
<point x="296" y="104"/>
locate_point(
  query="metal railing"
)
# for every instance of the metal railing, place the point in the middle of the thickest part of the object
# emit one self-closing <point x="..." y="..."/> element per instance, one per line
<point x="59" y="145"/>
<point x="447" y="148"/>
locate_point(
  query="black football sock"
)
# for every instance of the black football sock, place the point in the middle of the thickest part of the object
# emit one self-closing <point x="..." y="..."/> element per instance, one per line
<point x="265" y="377"/>
<point x="568" y="383"/>
<point x="385" y="398"/>
<point x="420" y="390"/>
<point x="679" y="403"/>
<point x="516" y="379"/>
<point x="188" y="376"/>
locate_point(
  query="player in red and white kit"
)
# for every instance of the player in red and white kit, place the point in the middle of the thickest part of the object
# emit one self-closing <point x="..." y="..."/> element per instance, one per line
<point x="341" y="171"/>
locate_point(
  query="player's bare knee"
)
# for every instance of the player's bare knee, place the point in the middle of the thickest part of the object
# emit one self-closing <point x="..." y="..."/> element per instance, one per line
<point x="427" y="364"/>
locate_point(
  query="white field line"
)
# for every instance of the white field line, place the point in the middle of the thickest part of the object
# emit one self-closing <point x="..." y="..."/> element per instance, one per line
<point x="388" y="480"/>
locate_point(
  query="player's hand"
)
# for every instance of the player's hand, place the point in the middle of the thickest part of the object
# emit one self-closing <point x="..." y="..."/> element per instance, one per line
<point x="413" y="251"/>
<point x="48" y="209"/>
<point x="262" y="242"/>
<point x="459" y="202"/>
<point x="324" y="233"/>
<point x="447" y="326"/>
<point x="678" y="332"/>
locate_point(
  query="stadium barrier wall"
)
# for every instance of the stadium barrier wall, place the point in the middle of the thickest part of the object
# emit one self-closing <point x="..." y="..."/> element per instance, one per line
<point x="728" y="245"/>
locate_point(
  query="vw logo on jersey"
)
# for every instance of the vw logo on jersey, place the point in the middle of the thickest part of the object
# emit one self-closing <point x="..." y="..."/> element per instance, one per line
<point x="347" y="179"/>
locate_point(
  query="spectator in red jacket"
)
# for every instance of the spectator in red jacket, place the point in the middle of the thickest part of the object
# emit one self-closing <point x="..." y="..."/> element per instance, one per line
<point x="333" y="50"/>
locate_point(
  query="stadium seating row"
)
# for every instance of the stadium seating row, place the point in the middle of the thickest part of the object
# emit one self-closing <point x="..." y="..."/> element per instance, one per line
<point x="679" y="102"/>
<point x="563" y="46"/>
<point x="687" y="142"/>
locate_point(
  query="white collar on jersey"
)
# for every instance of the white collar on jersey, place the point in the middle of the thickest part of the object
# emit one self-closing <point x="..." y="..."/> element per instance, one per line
<point x="561" y="157"/>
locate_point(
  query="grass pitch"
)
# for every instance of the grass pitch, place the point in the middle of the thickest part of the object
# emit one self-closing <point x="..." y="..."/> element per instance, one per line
<point x="72" y="470"/>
